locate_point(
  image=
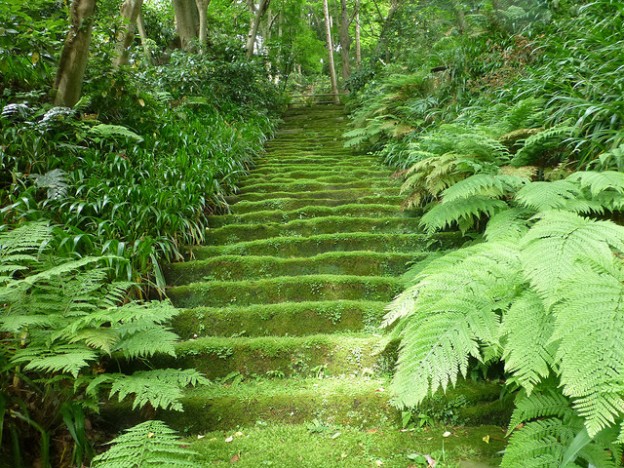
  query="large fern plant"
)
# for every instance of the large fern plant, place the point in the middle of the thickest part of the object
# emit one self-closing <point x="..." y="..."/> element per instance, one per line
<point x="545" y="295"/>
<point x="62" y="321"/>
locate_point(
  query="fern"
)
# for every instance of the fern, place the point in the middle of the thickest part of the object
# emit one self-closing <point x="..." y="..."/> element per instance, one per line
<point x="488" y="185"/>
<point x="463" y="212"/>
<point x="149" y="444"/>
<point x="537" y="146"/>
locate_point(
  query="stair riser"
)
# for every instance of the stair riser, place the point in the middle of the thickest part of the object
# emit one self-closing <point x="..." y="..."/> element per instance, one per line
<point x="278" y="216"/>
<point x="311" y="186"/>
<point x="319" y="175"/>
<point x="235" y="268"/>
<point x="344" y="194"/>
<point x="298" y="319"/>
<point x="289" y="290"/>
<point x="291" y="204"/>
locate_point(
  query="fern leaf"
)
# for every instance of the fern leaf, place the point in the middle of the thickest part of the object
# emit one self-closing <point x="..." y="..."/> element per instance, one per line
<point x="527" y="328"/>
<point x="542" y="196"/>
<point x="508" y="225"/>
<point x="464" y="212"/>
<point x="540" y="405"/>
<point x="488" y="185"/>
<point x="598" y="182"/>
<point x="537" y="145"/>
<point x="62" y="358"/>
<point x="149" y="444"/>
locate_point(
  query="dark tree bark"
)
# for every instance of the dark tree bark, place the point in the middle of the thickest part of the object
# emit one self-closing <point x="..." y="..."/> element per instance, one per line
<point x="130" y="10"/>
<point x="73" y="63"/>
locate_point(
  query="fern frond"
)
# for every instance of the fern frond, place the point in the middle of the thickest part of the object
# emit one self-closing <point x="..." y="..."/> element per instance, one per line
<point x="456" y="309"/>
<point x="160" y="388"/>
<point x="527" y="329"/>
<point x="149" y="444"/>
<point x="508" y="225"/>
<point x="598" y="182"/>
<point x="488" y="185"/>
<point x="542" y="196"/>
<point x="537" y="145"/>
<point x="463" y="212"/>
<point x="539" y="405"/>
<point x="61" y="358"/>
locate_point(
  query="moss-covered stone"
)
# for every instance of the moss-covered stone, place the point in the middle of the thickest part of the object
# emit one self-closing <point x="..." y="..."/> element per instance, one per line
<point x="314" y="245"/>
<point x="237" y="268"/>
<point x="290" y="204"/>
<point x="284" y="319"/>
<point x="285" y="289"/>
<point x="276" y="356"/>
<point x="318" y="174"/>
<point x="272" y="216"/>
<point x="335" y="194"/>
<point x="311" y="185"/>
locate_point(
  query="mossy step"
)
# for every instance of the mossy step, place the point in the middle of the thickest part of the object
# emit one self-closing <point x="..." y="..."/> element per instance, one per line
<point x="257" y="176"/>
<point x="322" y="445"/>
<point x="333" y="179"/>
<point x="358" y="401"/>
<point x="346" y="168"/>
<point x="238" y="268"/>
<point x="234" y="233"/>
<point x="307" y="185"/>
<point x="294" y="155"/>
<point x="285" y="289"/>
<point x="344" y="242"/>
<point x="276" y="356"/>
<point x="339" y="194"/>
<point x="304" y="164"/>
<point x="289" y="204"/>
<point x="308" y="212"/>
<point x="285" y="319"/>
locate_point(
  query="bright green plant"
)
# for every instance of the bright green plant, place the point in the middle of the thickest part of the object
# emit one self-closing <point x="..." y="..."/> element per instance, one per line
<point x="63" y="325"/>
<point x="149" y="444"/>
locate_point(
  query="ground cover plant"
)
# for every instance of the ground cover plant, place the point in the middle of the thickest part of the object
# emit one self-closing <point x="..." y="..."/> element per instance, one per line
<point x="515" y="149"/>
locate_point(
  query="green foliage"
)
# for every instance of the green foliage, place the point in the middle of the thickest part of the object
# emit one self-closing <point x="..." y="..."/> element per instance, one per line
<point x="149" y="444"/>
<point x="62" y="321"/>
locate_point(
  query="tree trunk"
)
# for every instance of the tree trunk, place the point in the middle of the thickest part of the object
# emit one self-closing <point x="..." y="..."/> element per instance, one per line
<point x="187" y="22"/>
<point x="144" y="39"/>
<point x="330" y="50"/>
<point x="255" y="23"/>
<point x="73" y="63"/>
<point x="130" y="10"/>
<point x="345" y="40"/>
<point x="358" y="35"/>
<point x="202" y="9"/>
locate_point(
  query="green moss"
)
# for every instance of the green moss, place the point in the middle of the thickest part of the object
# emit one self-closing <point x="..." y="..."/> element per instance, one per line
<point x="289" y="204"/>
<point x="350" y="210"/>
<point x="284" y="289"/>
<point x="236" y="268"/>
<point x="318" y="174"/>
<point x="336" y="194"/>
<point x="311" y="185"/>
<point x="314" y="245"/>
<point x="295" y="319"/>
<point x="323" y="445"/>
<point x="276" y="356"/>
<point x="300" y="170"/>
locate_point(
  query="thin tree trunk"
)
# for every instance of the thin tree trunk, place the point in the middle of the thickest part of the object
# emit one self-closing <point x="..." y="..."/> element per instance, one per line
<point x="202" y="9"/>
<point x="345" y="40"/>
<point x="255" y="23"/>
<point x="186" y="18"/>
<point x="358" y="35"/>
<point x="144" y="39"/>
<point x="130" y="10"/>
<point x="73" y="63"/>
<point x="330" y="50"/>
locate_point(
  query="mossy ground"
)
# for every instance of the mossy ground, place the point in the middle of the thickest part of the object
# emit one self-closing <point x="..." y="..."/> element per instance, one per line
<point x="281" y="310"/>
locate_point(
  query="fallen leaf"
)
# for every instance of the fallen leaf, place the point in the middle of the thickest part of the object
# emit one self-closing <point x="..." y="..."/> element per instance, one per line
<point x="238" y="434"/>
<point x="199" y="436"/>
<point x="229" y="439"/>
<point x="372" y="431"/>
<point x="336" y="435"/>
<point x="235" y="458"/>
<point x="431" y="463"/>
<point x="446" y="434"/>
<point x="34" y="58"/>
<point x="486" y="439"/>
<point x="141" y="103"/>
<point x="379" y="463"/>
<point x="380" y="390"/>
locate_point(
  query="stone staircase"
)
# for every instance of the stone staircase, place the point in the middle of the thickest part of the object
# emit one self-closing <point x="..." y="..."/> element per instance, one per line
<point x="282" y="308"/>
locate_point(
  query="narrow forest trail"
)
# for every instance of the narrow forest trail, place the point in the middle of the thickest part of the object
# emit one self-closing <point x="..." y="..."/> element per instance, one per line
<point x="282" y="308"/>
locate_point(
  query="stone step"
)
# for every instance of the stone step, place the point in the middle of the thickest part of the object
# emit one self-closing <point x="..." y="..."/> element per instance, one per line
<point x="284" y="319"/>
<point x="308" y="212"/>
<point x="239" y="268"/>
<point x="277" y="356"/>
<point x="284" y="289"/>
<point x="296" y="246"/>
<point x="306" y="185"/>
<point x="347" y="194"/>
<point x="290" y="204"/>
<point x="257" y="176"/>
